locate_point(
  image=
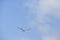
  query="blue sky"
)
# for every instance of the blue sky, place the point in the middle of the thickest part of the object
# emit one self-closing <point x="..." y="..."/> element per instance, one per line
<point x="42" y="16"/>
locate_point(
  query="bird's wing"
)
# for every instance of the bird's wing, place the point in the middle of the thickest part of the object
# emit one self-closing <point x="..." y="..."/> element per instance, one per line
<point x="20" y="28"/>
<point x="23" y="29"/>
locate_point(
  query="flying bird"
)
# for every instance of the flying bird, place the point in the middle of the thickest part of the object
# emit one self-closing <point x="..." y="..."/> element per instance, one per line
<point x="22" y="29"/>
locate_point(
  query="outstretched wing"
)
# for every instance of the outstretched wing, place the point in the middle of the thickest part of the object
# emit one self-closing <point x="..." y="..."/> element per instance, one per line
<point x="21" y="29"/>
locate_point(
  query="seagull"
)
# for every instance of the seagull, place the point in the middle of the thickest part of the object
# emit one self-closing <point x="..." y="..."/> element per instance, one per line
<point x="22" y="29"/>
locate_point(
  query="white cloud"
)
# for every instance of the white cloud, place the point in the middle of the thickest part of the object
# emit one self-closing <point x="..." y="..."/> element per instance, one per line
<point x="51" y="37"/>
<point x="42" y="8"/>
<point x="44" y="28"/>
<point x="45" y="7"/>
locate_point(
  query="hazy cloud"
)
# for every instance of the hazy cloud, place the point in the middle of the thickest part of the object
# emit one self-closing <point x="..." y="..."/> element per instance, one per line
<point x="42" y="8"/>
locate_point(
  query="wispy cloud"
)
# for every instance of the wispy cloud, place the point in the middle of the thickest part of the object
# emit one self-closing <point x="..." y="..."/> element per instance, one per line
<point x="43" y="9"/>
<point x="51" y="37"/>
<point x="42" y="6"/>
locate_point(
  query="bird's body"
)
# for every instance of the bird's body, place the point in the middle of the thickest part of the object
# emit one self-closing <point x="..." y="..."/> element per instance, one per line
<point x="22" y="29"/>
